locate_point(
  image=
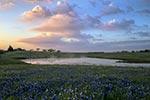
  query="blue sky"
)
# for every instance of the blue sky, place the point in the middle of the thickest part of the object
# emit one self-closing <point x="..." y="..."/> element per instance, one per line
<point x="75" y="25"/>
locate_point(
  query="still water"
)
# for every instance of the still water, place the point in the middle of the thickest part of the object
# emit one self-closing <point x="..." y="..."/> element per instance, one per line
<point x="83" y="61"/>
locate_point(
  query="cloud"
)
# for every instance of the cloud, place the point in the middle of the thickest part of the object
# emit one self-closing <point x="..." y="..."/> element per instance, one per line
<point x="60" y="23"/>
<point x="139" y="3"/>
<point x="6" y="4"/>
<point x="142" y="34"/>
<point x="50" y="1"/>
<point x="43" y="38"/>
<point x="33" y="1"/>
<point x="60" y="30"/>
<point x="48" y="38"/>
<point x="130" y="9"/>
<point x="36" y="1"/>
<point x="110" y="9"/>
<point x="63" y="7"/>
<point x="92" y="22"/>
<point x="144" y="2"/>
<point x="93" y="4"/>
<point x="37" y="12"/>
<point x="64" y="29"/>
<point x="57" y="41"/>
<point x="123" y="45"/>
<point x="145" y="12"/>
<point x="106" y="2"/>
<point x="113" y="25"/>
<point x="83" y="45"/>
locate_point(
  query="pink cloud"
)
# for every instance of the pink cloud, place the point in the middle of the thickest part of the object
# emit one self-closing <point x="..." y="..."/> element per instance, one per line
<point x="37" y="12"/>
<point x="34" y="1"/>
<point x="60" y="23"/>
<point x="56" y="41"/>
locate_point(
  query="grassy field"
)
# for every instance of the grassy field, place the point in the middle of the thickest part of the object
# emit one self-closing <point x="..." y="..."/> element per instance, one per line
<point x="136" y="57"/>
<point x="20" y="81"/>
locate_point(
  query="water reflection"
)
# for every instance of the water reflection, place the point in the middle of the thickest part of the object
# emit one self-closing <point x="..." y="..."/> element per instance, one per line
<point x="84" y="61"/>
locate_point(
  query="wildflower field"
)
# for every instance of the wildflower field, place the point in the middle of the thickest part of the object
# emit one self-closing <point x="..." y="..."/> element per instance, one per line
<point x="58" y="82"/>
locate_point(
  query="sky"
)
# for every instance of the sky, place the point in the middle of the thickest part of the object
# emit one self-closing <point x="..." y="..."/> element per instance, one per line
<point x="75" y="25"/>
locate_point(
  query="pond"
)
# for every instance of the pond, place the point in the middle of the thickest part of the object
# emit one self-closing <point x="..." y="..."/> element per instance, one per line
<point x="84" y="61"/>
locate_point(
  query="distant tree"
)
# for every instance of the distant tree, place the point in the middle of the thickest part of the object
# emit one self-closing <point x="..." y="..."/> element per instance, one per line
<point x="51" y="50"/>
<point x="37" y="49"/>
<point x="133" y="51"/>
<point x="10" y="48"/>
<point x="58" y="51"/>
<point x="44" y="50"/>
<point x="141" y="51"/>
<point x="146" y="50"/>
<point x="31" y="50"/>
<point x="19" y="49"/>
<point x="124" y="51"/>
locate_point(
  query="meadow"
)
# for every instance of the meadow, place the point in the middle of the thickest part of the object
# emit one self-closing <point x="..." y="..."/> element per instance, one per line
<point x="20" y="81"/>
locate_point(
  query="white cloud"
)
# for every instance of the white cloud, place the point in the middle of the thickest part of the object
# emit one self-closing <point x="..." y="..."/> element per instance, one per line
<point x="111" y="22"/>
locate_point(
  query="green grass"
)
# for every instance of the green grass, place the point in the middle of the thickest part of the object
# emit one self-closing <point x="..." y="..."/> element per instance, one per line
<point x="8" y="60"/>
<point x="137" y="57"/>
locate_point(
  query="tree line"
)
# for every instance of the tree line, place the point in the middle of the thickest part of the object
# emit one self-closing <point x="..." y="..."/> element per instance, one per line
<point x="10" y="49"/>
